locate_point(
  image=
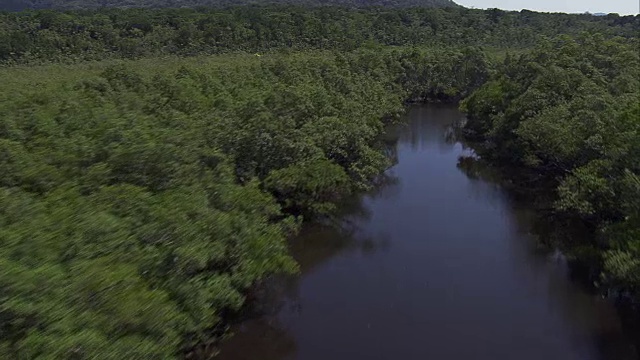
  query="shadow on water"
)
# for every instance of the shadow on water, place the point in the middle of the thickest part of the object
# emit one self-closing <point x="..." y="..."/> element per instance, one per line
<point x="264" y="332"/>
<point x="551" y="238"/>
<point x="554" y="234"/>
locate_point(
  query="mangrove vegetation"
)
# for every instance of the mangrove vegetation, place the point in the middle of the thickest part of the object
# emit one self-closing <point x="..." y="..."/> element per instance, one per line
<point x="153" y="162"/>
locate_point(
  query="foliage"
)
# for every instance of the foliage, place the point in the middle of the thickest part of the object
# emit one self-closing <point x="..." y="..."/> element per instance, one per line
<point x="51" y="36"/>
<point x="16" y="5"/>
<point x="144" y="194"/>
<point x="141" y="200"/>
<point x="570" y="112"/>
<point x="314" y="186"/>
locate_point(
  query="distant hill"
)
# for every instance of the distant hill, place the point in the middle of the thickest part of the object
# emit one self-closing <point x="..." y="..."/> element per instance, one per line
<point x="18" y="5"/>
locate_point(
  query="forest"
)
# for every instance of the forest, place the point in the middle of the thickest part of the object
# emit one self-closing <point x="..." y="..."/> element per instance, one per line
<point x="154" y="162"/>
<point x="569" y="113"/>
<point x="47" y="36"/>
<point x="17" y="5"/>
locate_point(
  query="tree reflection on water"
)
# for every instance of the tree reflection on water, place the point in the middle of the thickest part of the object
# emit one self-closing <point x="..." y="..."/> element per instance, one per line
<point x="279" y="296"/>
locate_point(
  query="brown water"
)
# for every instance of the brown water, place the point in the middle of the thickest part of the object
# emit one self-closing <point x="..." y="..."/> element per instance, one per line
<point x="436" y="264"/>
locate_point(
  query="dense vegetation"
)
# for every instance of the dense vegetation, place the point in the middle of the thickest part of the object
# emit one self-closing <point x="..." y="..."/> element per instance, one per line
<point x="136" y="204"/>
<point x="17" y="5"/>
<point x="142" y="196"/>
<point x="569" y="113"/>
<point x="47" y="36"/>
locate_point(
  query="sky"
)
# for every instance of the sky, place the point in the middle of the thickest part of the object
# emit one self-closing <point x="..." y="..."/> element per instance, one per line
<point x="569" y="6"/>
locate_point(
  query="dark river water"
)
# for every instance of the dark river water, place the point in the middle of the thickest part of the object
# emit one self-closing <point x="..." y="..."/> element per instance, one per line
<point x="435" y="264"/>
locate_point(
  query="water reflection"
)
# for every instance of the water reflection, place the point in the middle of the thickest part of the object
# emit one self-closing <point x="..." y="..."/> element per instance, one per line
<point x="440" y="263"/>
<point x="263" y="338"/>
<point x="592" y="317"/>
<point x="318" y="243"/>
<point x="267" y="337"/>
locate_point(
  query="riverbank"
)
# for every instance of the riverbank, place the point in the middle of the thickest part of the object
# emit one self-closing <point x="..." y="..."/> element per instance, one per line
<point x="438" y="258"/>
<point x="581" y="148"/>
<point x="174" y="185"/>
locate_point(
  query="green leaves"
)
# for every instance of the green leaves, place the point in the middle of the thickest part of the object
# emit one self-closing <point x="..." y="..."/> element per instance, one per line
<point x="140" y="201"/>
<point x="588" y="190"/>
<point x="570" y="113"/>
<point x="52" y="36"/>
<point x="139" y="204"/>
<point x="309" y="187"/>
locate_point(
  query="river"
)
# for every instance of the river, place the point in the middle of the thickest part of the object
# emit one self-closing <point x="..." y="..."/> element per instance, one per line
<point x="435" y="264"/>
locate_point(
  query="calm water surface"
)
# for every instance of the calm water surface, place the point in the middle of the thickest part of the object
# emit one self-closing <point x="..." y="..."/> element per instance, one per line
<point x="436" y="264"/>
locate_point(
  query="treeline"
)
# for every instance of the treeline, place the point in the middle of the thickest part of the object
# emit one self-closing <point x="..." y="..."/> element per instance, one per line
<point x="569" y="114"/>
<point x="19" y="5"/>
<point x="50" y="36"/>
<point x="141" y="200"/>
